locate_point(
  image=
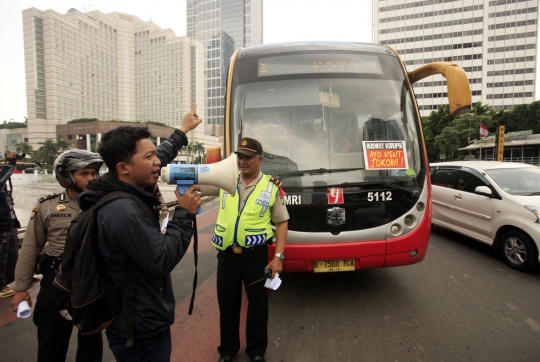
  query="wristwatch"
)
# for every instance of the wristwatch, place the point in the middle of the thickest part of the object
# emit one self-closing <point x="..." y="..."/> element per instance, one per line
<point x="281" y="256"/>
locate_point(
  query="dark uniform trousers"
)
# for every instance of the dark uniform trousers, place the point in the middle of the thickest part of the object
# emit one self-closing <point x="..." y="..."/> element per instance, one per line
<point x="232" y="270"/>
<point x="54" y="331"/>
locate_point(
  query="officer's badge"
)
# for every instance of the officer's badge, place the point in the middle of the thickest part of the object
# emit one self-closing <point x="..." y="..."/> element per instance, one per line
<point x="60" y="208"/>
<point x="281" y="200"/>
<point x="34" y="213"/>
<point x="244" y="142"/>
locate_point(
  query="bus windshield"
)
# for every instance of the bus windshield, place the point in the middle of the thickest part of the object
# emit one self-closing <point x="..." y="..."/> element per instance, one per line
<point x="328" y="114"/>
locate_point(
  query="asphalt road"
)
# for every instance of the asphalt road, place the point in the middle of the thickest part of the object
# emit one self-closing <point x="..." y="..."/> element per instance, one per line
<point x="461" y="303"/>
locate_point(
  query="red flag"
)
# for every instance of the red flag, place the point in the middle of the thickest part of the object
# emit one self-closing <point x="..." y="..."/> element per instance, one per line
<point x="483" y="130"/>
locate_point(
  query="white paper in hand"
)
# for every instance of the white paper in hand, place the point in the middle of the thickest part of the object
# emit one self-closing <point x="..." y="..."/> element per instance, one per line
<point x="273" y="283"/>
<point x="23" y="311"/>
<point x="165" y="222"/>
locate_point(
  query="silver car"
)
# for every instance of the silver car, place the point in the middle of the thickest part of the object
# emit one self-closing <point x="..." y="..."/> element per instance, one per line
<point x="496" y="203"/>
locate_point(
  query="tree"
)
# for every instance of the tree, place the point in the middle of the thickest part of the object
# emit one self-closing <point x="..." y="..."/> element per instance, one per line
<point x="429" y="139"/>
<point x="198" y="149"/>
<point x="12" y="125"/>
<point x="448" y="142"/>
<point x="189" y="152"/>
<point x="24" y="147"/>
<point x="94" y="147"/>
<point x="48" y="152"/>
<point x="62" y="144"/>
<point x="440" y="119"/>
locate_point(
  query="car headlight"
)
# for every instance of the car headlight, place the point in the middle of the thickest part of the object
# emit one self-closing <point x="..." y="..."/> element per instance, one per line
<point x="535" y="210"/>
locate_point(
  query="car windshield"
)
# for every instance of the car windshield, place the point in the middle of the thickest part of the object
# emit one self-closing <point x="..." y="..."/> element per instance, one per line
<point x="322" y="122"/>
<point x="517" y="181"/>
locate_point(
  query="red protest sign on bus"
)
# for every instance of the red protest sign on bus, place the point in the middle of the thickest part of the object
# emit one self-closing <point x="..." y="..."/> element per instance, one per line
<point x="385" y="155"/>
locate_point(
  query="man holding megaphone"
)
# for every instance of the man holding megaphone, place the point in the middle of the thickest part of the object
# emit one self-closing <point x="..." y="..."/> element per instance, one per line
<point x="130" y="241"/>
<point x="242" y="231"/>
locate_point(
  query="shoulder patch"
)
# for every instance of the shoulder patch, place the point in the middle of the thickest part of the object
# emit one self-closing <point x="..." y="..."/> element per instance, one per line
<point x="48" y="197"/>
<point x="276" y="181"/>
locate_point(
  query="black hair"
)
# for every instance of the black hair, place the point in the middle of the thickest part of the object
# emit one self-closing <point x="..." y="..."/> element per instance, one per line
<point x="120" y="144"/>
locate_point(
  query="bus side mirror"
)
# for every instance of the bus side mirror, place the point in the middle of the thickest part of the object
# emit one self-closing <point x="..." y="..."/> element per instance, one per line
<point x="457" y="84"/>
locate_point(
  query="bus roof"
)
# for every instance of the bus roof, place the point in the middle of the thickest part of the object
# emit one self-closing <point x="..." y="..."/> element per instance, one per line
<point x="258" y="50"/>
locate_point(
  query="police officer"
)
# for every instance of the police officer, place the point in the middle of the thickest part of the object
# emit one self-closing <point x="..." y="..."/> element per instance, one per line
<point x="42" y="252"/>
<point x="242" y="231"/>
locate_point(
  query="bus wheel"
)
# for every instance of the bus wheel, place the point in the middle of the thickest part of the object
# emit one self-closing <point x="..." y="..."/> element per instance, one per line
<point x="519" y="251"/>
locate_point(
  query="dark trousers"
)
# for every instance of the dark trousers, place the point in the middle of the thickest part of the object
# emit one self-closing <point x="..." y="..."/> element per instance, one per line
<point x="232" y="270"/>
<point x="9" y="253"/>
<point x="54" y="331"/>
<point x="154" y="349"/>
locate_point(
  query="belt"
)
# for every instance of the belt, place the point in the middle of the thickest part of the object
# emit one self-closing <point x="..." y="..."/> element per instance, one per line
<point x="51" y="263"/>
<point x="237" y="249"/>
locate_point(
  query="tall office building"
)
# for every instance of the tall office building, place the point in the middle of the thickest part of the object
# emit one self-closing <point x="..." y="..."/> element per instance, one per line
<point x="110" y="67"/>
<point x="222" y="26"/>
<point x="495" y="41"/>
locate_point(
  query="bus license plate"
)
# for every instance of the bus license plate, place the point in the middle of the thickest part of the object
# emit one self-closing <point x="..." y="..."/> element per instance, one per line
<point x="326" y="266"/>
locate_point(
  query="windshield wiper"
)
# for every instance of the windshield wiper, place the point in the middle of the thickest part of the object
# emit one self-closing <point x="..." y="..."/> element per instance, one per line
<point x="317" y="171"/>
<point x="533" y="193"/>
<point x="413" y="194"/>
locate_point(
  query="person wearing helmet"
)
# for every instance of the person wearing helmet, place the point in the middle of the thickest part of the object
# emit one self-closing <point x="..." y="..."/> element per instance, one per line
<point x="42" y="250"/>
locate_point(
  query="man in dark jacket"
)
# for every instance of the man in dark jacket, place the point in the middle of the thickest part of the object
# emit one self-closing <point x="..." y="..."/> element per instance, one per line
<point x="9" y="240"/>
<point x="126" y="236"/>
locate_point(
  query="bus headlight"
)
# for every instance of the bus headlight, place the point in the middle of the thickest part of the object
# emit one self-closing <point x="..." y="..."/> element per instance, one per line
<point x="395" y="229"/>
<point x="409" y="220"/>
<point x="420" y="207"/>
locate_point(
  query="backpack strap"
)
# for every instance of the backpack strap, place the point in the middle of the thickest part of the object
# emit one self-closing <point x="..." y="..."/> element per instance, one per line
<point x="196" y="260"/>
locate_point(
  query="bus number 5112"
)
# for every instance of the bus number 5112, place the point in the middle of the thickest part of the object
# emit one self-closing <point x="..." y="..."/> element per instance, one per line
<point x="379" y="196"/>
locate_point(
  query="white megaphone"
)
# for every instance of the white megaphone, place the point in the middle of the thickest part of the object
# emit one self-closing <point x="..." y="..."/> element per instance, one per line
<point x="222" y="174"/>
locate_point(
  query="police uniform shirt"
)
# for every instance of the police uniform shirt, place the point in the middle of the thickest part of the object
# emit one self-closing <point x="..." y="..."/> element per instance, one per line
<point x="279" y="211"/>
<point x="46" y="231"/>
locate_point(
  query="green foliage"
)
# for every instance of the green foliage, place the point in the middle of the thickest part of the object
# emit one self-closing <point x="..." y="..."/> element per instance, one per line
<point x="448" y="142"/>
<point x="46" y="153"/>
<point x="94" y="147"/>
<point x="12" y="125"/>
<point x="157" y="124"/>
<point x="85" y="120"/>
<point x="24" y="147"/>
<point x="521" y="118"/>
<point x="82" y="120"/>
<point x="195" y="152"/>
<point x="62" y="144"/>
<point x="442" y="134"/>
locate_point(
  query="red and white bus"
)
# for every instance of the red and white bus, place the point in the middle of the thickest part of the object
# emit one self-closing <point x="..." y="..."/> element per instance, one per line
<point x="340" y="127"/>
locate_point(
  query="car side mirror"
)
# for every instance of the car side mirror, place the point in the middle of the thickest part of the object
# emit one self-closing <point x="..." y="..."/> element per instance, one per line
<point x="483" y="190"/>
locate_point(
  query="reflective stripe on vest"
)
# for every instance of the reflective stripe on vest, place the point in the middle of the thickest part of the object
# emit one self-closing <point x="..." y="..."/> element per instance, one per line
<point x="249" y="226"/>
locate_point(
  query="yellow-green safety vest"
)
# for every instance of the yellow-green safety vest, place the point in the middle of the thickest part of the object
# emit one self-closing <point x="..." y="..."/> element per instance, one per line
<point x="249" y="226"/>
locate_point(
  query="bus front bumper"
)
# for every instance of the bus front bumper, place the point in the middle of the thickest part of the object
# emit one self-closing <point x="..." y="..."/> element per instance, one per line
<point x="399" y="251"/>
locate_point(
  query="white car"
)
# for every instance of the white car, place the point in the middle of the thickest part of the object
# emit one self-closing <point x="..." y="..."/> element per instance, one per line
<point x="496" y="203"/>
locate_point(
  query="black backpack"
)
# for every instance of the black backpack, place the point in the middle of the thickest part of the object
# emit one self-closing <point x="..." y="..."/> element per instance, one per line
<point x="86" y="295"/>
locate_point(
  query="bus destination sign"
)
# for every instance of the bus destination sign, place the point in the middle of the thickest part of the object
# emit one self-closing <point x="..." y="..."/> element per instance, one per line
<point x="319" y="63"/>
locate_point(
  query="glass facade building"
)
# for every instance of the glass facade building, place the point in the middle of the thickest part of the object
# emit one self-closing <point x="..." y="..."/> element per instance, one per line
<point x="222" y="26"/>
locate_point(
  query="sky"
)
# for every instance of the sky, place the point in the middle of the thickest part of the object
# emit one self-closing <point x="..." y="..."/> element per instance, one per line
<point x="284" y="20"/>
